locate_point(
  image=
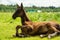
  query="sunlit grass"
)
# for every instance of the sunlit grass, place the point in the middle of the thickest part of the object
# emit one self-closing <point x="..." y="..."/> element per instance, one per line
<point x="7" y="24"/>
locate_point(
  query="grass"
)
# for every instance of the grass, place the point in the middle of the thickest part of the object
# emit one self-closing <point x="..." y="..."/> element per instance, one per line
<point x="7" y="24"/>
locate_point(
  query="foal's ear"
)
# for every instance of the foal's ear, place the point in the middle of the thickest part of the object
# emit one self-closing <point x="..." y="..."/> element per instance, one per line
<point x="21" y="5"/>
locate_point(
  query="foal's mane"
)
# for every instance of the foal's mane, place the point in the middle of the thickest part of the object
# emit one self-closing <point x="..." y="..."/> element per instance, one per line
<point x="24" y="16"/>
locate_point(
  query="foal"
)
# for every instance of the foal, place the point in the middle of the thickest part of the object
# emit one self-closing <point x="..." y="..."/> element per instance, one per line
<point x="42" y="26"/>
<point x="41" y="30"/>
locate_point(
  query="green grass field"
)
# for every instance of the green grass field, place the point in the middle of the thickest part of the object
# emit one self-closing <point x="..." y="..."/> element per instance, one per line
<point x="7" y="24"/>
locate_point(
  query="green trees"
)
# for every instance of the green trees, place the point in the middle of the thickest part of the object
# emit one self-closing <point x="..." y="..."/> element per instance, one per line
<point x="12" y="8"/>
<point x="7" y="8"/>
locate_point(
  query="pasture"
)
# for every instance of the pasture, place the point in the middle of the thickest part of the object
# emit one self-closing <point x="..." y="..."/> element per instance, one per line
<point x="7" y="24"/>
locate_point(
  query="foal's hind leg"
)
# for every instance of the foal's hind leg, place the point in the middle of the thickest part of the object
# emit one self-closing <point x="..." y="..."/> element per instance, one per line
<point x="55" y="32"/>
<point x="50" y="26"/>
<point x="51" y="35"/>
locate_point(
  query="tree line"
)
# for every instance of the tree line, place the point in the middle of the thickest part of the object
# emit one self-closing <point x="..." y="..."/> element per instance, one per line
<point x="12" y="8"/>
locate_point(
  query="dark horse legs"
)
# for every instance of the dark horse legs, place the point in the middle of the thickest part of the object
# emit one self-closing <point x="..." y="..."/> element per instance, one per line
<point x="17" y="28"/>
<point x="20" y="34"/>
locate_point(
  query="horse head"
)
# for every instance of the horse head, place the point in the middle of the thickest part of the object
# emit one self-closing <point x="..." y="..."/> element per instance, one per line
<point x="19" y="12"/>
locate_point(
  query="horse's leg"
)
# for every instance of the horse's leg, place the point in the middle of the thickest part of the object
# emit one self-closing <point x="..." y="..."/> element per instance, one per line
<point x="17" y="28"/>
<point x="43" y="35"/>
<point x="20" y="34"/>
<point x="56" y="30"/>
<point x="51" y="35"/>
<point x="52" y="32"/>
<point x="50" y="26"/>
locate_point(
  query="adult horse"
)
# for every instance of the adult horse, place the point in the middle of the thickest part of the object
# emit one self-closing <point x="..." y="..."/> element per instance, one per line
<point x="34" y="27"/>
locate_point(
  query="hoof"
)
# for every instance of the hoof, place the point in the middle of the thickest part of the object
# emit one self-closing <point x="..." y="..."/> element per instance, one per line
<point x="14" y="35"/>
<point x="42" y="36"/>
<point x="49" y="37"/>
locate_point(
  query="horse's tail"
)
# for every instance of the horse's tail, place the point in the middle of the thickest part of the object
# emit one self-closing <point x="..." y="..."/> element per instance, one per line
<point x="57" y="27"/>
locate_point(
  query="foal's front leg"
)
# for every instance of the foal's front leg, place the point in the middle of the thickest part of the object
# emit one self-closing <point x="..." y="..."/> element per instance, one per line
<point x="17" y="28"/>
<point x="20" y="34"/>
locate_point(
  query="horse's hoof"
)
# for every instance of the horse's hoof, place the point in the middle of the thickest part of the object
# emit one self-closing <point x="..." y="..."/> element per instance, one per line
<point x="49" y="37"/>
<point x="41" y="36"/>
<point x="14" y="35"/>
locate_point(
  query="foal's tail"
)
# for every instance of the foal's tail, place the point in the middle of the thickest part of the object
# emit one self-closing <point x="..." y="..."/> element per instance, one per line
<point x="58" y="26"/>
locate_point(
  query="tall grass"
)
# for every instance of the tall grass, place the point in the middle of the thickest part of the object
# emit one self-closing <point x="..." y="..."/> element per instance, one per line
<point x="7" y="24"/>
<point x="51" y="16"/>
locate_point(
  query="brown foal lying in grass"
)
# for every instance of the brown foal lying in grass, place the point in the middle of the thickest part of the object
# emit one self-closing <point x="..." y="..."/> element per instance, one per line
<point x="42" y="30"/>
<point x="33" y="28"/>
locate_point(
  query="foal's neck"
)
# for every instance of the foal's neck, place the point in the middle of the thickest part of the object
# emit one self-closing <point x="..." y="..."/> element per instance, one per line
<point x="24" y="18"/>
